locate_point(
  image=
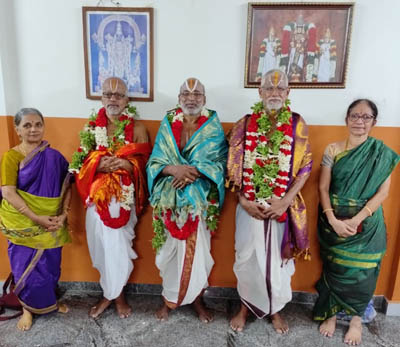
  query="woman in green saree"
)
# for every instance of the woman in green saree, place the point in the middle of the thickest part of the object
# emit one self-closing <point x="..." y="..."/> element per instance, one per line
<point x="354" y="181"/>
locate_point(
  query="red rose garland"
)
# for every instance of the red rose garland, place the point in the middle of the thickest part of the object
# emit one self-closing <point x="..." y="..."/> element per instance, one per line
<point x="175" y="117"/>
<point x="176" y="121"/>
<point x="267" y="160"/>
<point x="94" y="137"/>
<point x="181" y="233"/>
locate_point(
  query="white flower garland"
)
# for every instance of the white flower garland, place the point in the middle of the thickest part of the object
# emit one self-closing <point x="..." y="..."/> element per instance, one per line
<point x="250" y="161"/>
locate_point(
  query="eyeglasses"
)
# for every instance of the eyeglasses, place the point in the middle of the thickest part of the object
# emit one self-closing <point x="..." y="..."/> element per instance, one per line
<point x="117" y="96"/>
<point x="196" y="95"/>
<point x="366" y="118"/>
<point x="272" y="89"/>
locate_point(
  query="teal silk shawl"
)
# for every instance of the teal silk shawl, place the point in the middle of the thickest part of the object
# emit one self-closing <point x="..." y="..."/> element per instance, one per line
<point x="206" y="150"/>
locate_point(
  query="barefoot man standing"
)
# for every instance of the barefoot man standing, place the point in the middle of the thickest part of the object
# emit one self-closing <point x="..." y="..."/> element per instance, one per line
<point x="109" y="168"/>
<point x="269" y="161"/>
<point x="186" y="173"/>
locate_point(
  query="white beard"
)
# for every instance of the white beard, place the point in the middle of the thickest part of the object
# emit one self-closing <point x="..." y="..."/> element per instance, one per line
<point x="274" y="105"/>
<point x="194" y="112"/>
<point x="113" y="110"/>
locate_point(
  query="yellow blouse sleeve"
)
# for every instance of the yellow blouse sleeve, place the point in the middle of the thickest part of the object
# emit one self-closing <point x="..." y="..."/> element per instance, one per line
<point x="9" y="167"/>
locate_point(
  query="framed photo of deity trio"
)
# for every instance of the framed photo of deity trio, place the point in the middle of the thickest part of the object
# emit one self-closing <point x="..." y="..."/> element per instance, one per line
<point x="118" y="42"/>
<point x="309" y="41"/>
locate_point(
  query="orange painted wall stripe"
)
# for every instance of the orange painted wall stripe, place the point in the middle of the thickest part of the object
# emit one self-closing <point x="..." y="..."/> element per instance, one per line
<point x="62" y="134"/>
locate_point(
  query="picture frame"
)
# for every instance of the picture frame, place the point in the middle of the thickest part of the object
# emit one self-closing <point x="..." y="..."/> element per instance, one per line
<point x="309" y="41"/>
<point x="118" y="42"/>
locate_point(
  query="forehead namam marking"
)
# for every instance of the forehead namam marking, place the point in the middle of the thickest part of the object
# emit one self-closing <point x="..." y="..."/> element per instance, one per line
<point x="191" y="84"/>
<point x="113" y="84"/>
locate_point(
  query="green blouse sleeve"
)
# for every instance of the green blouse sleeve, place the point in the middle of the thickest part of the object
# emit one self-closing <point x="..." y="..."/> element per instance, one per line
<point x="9" y="167"/>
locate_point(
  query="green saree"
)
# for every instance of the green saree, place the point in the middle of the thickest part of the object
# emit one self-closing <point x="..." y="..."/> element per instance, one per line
<point x="351" y="265"/>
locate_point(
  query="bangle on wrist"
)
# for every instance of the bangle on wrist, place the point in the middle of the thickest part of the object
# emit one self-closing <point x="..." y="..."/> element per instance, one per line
<point x="327" y="209"/>
<point x="368" y="210"/>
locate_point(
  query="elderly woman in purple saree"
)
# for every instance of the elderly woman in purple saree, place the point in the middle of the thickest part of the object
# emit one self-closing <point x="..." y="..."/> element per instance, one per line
<point x="36" y="195"/>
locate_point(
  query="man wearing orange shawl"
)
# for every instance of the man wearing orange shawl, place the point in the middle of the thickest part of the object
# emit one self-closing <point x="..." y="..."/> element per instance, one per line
<point x="269" y="161"/>
<point x="109" y="168"/>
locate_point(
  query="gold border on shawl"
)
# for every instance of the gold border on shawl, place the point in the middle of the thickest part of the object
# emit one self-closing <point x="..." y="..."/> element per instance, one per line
<point x="187" y="266"/>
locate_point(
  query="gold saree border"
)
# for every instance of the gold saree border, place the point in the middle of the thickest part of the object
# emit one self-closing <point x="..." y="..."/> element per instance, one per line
<point x="21" y="282"/>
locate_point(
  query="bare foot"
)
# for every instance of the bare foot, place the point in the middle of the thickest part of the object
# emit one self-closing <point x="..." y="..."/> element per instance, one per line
<point x="328" y="327"/>
<point x="25" y="322"/>
<point x="204" y="315"/>
<point x="353" y="335"/>
<point x="63" y="308"/>
<point x="162" y="313"/>
<point x="123" y="309"/>
<point x="239" y="320"/>
<point x="99" y="308"/>
<point x="279" y="324"/>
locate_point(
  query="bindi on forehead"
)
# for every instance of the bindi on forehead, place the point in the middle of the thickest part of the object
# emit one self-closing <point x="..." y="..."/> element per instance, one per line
<point x="191" y="84"/>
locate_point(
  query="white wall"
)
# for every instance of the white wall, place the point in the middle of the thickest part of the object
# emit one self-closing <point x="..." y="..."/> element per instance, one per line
<point x="201" y="38"/>
<point x="10" y="96"/>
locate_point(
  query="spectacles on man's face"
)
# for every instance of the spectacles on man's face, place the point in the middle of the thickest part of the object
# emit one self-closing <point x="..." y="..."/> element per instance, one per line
<point x="196" y="95"/>
<point x="270" y="90"/>
<point x="366" y="118"/>
<point x="117" y="96"/>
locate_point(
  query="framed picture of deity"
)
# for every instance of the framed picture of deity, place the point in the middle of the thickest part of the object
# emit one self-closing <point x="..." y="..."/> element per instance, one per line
<point x="309" y="41"/>
<point x="118" y="42"/>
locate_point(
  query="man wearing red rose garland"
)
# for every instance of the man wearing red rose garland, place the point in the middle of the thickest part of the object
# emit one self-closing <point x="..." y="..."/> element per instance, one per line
<point x="109" y="168"/>
<point x="269" y="161"/>
<point x="185" y="174"/>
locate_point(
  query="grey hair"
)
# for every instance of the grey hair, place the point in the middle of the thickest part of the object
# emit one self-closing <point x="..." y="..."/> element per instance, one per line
<point x="270" y="72"/>
<point x="25" y="111"/>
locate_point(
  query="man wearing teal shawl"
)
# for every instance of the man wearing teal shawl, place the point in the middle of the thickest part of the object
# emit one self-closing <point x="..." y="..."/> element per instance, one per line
<point x="186" y="181"/>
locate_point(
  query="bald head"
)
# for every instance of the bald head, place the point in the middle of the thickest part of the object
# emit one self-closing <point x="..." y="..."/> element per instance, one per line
<point x="192" y="97"/>
<point x="114" y="97"/>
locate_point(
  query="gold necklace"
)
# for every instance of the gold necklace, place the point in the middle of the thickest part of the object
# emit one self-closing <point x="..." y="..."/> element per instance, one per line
<point x="22" y="149"/>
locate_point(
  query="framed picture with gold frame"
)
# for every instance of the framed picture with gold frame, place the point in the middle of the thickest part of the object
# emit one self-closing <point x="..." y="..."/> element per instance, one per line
<point x="118" y="42"/>
<point x="309" y="41"/>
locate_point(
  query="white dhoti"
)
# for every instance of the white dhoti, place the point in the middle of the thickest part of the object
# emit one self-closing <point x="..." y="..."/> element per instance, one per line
<point x="263" y="277"/>
<point x="111" y="249"/>
<point x="185" y="266"/>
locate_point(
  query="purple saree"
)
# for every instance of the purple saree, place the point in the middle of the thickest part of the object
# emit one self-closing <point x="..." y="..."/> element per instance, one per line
<point x="34" y="253"/>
